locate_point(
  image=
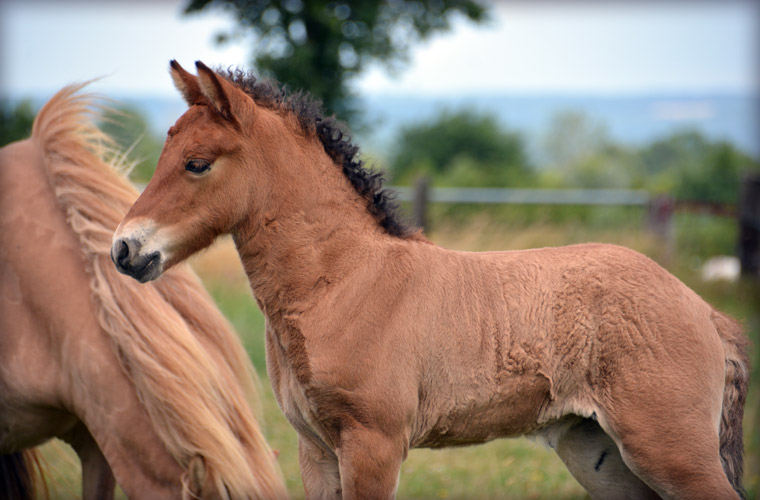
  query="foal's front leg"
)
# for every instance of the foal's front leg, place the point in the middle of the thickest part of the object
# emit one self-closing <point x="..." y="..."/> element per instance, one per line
<point x="370" y="462"/>
<point x="319" y="471"/>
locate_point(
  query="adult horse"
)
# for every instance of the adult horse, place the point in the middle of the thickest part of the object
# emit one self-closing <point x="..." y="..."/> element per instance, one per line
<point x="378" y="340"/>
<point x="149" y="384"/>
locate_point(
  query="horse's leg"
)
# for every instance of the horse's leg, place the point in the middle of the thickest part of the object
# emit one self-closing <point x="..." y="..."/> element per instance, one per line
<point x="592" y="457"/>
<point x="668" y="435"/>
<point x="319" y="471"/>
<point x="370" y="462"/>
<point x="676" y="460"/>
<point x="98" y="481"/>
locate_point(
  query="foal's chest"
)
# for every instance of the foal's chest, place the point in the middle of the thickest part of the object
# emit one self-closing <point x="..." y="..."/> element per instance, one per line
<point x="290" y="391"/>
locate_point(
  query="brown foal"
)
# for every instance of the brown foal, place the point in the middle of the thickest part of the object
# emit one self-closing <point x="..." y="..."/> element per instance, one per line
<point x="378" y="340"/>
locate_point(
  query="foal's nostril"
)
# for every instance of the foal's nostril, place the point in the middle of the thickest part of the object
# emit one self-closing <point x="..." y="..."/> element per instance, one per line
<point x="127" y="255"/>
<point x="123" y="251"/>
<point x="120" y="253"/>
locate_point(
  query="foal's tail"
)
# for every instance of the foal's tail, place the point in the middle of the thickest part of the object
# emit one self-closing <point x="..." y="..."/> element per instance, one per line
<point x="734" y="395"/>
<point x="21" y="475"/>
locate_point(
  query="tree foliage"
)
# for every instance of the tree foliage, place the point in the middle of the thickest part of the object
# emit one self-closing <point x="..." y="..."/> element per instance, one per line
<point x="579" y="153"/>
<point x="691" y="167"/>
<point x="320" y="45"/>
<point x="571" y="136"/>
<point x="471" y="149"/>
<point x="460" y="148"/>
<point x="15" y="121"/>
<point x="685" y="164"/>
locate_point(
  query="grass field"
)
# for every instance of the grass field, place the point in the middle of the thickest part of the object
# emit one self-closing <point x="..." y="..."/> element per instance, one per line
<point x="518" y="468"/>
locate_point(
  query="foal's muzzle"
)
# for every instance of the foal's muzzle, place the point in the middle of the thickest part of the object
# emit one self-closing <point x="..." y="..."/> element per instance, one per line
<point x="126" y="255"/>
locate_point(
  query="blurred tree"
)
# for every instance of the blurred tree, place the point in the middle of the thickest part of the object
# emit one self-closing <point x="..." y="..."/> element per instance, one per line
<point x="130" y="130"/>
<point x="685" y="164"/>
<point x="580" y="154"/>
<point x="691" y="167"/>
<point x="571" y="137"/>
<point x="461" y="148"/>
<point x="320" y="45"/>
<point x="613" y="167"/>
<point x="15" y="121"/>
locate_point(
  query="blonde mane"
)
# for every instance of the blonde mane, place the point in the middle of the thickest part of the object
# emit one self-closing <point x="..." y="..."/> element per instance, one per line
<point x="189" y="369"/>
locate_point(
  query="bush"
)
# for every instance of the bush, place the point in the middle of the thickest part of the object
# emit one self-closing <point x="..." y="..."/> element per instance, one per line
<point x="460" y="149"/>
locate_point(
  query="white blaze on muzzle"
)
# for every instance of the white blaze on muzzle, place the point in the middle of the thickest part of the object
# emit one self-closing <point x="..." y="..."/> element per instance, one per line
<point x="139" y="249"/>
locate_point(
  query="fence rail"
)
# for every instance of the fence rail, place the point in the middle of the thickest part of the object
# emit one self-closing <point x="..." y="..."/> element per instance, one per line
<point x="660" y="209"/>
<point x="527" y="196"/>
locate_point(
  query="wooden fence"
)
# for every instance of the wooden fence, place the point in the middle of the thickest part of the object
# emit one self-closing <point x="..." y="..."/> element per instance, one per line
<point x="660" y="209"/>
<point x="749" y="226"/>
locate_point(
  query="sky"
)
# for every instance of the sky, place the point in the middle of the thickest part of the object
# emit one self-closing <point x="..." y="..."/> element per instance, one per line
<point x="592" y="47"/>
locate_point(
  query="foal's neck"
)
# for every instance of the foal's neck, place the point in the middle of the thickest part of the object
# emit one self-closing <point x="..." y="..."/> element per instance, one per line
<point x="314" y="232"/>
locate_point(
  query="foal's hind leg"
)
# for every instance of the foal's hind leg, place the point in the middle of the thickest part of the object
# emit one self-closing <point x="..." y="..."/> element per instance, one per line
<point x="667" y="431"/>
<point x="677" y="457"/>
<point x="592" y="457"/>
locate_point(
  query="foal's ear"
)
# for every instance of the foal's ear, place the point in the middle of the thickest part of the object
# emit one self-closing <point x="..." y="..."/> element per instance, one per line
<point x="231" y="102"/>
<point x="186" y="83"/>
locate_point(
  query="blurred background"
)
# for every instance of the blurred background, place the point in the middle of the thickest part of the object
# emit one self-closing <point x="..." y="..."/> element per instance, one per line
<point x="503" y="125"/>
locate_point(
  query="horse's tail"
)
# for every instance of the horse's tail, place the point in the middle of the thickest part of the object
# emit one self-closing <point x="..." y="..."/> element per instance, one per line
<point x="734" y="396"/>
<point x="21" y="475"/>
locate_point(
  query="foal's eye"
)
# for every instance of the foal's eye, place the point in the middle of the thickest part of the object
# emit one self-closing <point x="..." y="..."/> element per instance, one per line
<point x="197" y="166"/>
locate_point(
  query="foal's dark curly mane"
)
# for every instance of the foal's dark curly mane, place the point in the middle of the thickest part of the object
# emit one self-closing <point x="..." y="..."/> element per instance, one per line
<point x="367" y="182"/>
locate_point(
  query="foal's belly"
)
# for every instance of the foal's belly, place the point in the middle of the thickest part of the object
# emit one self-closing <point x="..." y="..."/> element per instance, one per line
<point x="510" y="409"/>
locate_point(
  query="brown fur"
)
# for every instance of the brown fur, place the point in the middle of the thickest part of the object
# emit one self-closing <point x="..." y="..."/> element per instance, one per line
<point x="734" y="397"/>
<point x="143" y="381"/>
<point x="378" y="342"/>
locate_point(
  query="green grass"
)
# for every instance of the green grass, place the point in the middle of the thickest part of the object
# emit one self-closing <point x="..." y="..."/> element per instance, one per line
<point x="506" y="468"/>
<point x="516" y="468"/>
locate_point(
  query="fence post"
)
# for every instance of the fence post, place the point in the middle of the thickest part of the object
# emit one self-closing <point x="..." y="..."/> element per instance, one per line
<point x="420" y="202"/>
<point x="749" y="226"/>
<point x="661" y="223"/>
